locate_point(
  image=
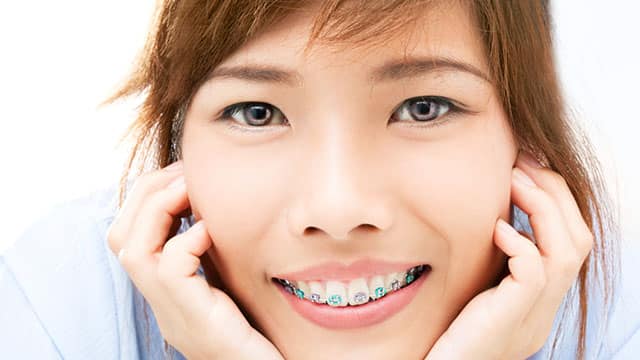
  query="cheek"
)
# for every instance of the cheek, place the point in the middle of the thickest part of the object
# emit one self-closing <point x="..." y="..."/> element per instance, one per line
<point x="459" y="186"/>
<point x="238" y="193"/>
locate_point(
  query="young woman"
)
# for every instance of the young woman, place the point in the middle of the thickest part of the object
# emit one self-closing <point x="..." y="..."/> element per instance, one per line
<point x="348" y="179"/>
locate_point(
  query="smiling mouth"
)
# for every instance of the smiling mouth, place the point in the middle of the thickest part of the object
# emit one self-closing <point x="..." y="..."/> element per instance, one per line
<point x="355" y="292"/>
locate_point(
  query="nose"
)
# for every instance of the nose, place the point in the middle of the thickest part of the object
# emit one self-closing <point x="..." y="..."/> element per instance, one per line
<point x="341" y="188"/>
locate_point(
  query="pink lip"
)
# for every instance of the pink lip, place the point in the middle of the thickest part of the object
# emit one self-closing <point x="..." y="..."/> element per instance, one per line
<point x="340" y="272"/>
<point x="350" y="317"/>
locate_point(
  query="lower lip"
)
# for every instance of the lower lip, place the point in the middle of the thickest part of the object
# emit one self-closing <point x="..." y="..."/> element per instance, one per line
<point x="349" y="317"/>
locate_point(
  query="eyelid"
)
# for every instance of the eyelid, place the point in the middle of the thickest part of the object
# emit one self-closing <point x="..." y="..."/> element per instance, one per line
<point x="453" y="105"/>
<point x="234" y="108"/>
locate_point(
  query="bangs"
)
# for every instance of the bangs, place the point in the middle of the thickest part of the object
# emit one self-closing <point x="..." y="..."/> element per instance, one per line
<point x="362" y="23"/>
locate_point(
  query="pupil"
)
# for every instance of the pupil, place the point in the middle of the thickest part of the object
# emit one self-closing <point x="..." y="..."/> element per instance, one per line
<point x="423" y="110"/>
<point x="259" y="113"/>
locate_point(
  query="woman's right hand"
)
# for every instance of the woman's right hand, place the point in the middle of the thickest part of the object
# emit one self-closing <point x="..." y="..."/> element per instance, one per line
<point x="200" y="321"/>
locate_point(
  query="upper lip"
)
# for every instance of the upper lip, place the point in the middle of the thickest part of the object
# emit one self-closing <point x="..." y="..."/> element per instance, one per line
<point x="335" y="270"/>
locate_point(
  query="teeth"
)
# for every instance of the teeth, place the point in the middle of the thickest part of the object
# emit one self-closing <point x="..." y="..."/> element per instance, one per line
<point x="336" y="294"/>
<point x="302" y="290"/>
<point x="376" y="287"/>
<point x="393" y="282"/>
<point x="358" y="291"/>
<point x="316" y="292"/>
<point x="412" y="274"/>
<point x="287" y="285"/>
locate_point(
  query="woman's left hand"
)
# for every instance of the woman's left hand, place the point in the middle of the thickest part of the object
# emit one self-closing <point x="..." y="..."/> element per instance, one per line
<point x="514" y="319"/>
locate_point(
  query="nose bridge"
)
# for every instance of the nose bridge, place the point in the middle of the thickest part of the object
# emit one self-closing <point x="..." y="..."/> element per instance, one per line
<point x="341" y="190"/>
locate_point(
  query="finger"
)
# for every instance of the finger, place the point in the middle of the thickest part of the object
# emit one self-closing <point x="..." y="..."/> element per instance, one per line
<point x="556" y="186"/>
<point x="563" y="259"/>
<point x="181" y="254"/>
<point x="151" y="231"/>
<point x="143" y="186"/>
<point x="527" y="277"/>
<point x="190" y="292"/>
<point x="527" y="235"/>
<point x="561" y="262"/>
<point x="497" y="311"/>
<point x="549" y="230"/>
<point x="178" y="264"/>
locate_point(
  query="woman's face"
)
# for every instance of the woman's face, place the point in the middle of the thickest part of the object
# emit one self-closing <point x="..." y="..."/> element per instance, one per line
<point x="347" y="174"/>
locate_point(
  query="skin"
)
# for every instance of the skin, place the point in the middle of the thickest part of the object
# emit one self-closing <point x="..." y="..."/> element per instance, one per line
<point x="330" y="169"/>
<point x="436" y="195"/>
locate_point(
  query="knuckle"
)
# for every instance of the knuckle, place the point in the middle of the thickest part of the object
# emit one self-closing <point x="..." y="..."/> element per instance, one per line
<point x="152" y="203"/>
<point x="142" y="181"/>
<point x="587" y="242"/>
<point x="114" y="238"/>
<point x="154" y="208"/>
<point x="557" y="179"/>
<point x="544" y="201"/>
<point x="532" y="250"/>
<point x="571" y="264"/>
<point x="145" y="182"/>
<point x="169" y="247"/>
<point x="140" y="186"/>
<point x="129" y="261"/>
<point x="548" y="202"/>
<point x="126" y="261"/>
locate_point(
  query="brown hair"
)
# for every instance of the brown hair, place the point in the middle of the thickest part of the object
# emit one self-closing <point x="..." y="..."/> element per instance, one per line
<point x="190" y="38"/>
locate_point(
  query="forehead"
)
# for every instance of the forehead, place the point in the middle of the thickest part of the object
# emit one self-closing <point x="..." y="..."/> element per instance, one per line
<point x="445" y="29"/>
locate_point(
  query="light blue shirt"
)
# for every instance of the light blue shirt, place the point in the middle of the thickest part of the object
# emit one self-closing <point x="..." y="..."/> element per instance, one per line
<point x="64" y="295"/>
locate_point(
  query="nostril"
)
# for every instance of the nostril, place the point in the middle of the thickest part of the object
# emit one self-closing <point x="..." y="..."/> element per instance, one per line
<point x="310" y="230"/>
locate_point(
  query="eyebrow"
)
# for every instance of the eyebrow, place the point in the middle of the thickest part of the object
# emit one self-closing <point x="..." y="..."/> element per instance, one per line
<point x="393" y="70"/>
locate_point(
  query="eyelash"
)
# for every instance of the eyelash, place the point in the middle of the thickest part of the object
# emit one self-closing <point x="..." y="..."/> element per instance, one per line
<point x="226" y="115"/>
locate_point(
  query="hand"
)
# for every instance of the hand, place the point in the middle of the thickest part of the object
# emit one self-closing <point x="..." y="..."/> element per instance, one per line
<point x="514" y="319"/>
<point x="200" y="321"/>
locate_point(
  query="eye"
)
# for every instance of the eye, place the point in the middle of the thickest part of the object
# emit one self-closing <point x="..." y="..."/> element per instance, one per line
<point x="425" y="109"/>
<point x="253" y="114"/>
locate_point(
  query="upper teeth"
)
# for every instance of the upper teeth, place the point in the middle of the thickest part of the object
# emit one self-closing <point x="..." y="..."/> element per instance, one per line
<point x="355" y="292"/>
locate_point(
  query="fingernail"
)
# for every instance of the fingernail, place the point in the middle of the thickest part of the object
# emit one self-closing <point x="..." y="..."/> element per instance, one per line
<point x="523" y="178"/>
<point x="178" y="182"/>
<point x="505" y="227"/>
<point x="528" y="159"/>
<point x="199" y="225"/>
<point x="174" y="166"/>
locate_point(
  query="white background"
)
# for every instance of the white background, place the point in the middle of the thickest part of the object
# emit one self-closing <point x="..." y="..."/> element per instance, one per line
<point x="59" y="59"/>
